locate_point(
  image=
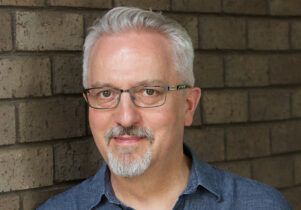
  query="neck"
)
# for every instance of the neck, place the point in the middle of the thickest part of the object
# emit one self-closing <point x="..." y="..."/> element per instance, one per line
<point x="161" y="182"/>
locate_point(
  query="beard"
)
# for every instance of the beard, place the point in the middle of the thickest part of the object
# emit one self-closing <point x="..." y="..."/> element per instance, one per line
<point x="127" y="167"/>
<point x="124" y="164"/>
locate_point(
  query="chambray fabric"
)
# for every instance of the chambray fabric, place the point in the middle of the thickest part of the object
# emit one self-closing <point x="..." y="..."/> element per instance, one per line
<point x="209" y="188"/>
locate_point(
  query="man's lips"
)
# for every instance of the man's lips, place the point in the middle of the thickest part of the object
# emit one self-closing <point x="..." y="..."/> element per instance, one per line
<point x="127" y="139"/>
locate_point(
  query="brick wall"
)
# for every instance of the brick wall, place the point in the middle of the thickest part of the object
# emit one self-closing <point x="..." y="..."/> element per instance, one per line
<point x="248" y="58"/>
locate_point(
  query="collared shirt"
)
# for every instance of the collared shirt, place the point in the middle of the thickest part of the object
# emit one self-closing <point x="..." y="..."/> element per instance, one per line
<point x="208" y="188"/>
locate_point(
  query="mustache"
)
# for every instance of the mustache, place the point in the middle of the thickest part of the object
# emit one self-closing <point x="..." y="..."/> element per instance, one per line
<point x="141" y="132"/>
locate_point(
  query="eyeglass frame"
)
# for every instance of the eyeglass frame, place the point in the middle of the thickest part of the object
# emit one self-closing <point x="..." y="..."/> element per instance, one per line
<point x="166" y="89"/>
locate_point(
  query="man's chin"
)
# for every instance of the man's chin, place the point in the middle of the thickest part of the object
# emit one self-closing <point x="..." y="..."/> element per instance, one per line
<point x="126" y="149"/>
<point x="128" y="164"/>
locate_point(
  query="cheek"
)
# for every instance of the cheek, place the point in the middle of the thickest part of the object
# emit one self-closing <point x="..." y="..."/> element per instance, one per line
<point x="172" y="118"/>
<point x="93" y="119"/>
<point x="168" y="127"/>
<point x="98" y="123"/>
<point x="158" y="117"/>
<point x="164" y="121"/>
<point x="96" y="118"/>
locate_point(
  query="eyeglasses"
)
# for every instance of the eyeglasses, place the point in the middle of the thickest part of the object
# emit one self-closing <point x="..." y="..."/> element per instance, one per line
<point x="141" y="96"/>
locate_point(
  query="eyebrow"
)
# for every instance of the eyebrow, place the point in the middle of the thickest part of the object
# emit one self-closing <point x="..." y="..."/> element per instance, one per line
<point x="150" y="83"/>
<point x="100" y="84"/>
<point x="140" y="83"/>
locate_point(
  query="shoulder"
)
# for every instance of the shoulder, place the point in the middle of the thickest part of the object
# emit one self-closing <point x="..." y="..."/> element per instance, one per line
<point x="235" y="192"/>
<point x="250" y="194"/>
<point x="80" y="196"/>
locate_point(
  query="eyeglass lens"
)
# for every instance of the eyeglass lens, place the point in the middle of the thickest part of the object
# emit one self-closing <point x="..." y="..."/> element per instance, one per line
<point x="141" y="96"/>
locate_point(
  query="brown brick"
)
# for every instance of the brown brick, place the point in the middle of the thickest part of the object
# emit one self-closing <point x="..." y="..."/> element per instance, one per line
<point x="22" y="2"/>
<point x="225" y="106"/>
<point x="297" y="165"/>
<point x="25" y="76"/>
<point x="247" y="141"/>
<point x="190" y="23"/>
<point x="268" y="35"/>
<point x="145" y="4"/>
<point x="286" y="137"/>
<point x="26" y="168"/>
<point x="67" y="74"/>
<point x="293" y="197"/>
<point x="197" y="117"/>
<point x="207" y="143"/>
<point x="222" y="33"/>
<point x="82" y="3"/>
<point x="285" y="69"/>
<point x="296" y="35"/>
<point x="51" y="119"/>
<point x="246" y="70"/>
<point x="76" y="160"/>
<point x="241" y="168"/>
<point x="285" y="7"/>
<point x="296" y="103"/>
<point x="256" y="7"/>
<point x="275" y="171"/>
<point x="31" y="200"/>
<point x="208" y="71"/>
<point x="197" y="5"/>
<point x="9" y="202"/>
<point x="7" y="125"/>
<point x="269" y="104"/>
<point x="5" y="32"/>
<point x="49" y="31"/>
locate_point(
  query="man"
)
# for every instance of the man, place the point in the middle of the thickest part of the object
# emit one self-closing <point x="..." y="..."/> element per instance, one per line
<point x="138" y="79"/>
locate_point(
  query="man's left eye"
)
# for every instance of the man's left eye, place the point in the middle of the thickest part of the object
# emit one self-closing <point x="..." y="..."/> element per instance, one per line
<point x="149" y="92"/>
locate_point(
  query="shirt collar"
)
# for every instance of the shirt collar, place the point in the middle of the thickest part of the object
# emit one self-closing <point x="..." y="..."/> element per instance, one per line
<point x="201" y="175"/>
<point x="97" y="189"/>
<point x="101" y="188"/>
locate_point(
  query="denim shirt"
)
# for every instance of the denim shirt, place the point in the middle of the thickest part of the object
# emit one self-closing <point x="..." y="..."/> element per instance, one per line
<point x="208" y="188"/>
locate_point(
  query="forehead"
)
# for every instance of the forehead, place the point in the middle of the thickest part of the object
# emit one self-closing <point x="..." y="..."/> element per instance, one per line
<point x="131" y="57"/>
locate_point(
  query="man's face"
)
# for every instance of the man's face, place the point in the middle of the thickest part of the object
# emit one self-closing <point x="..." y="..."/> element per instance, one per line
<point x="128" y="60"/>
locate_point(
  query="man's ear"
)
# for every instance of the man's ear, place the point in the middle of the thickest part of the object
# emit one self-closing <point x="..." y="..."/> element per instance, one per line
<point x="84" y="95"/>
<point x="192" y="100"/>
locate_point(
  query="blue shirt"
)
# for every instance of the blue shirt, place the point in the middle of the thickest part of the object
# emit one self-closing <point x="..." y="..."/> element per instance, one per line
<point x="208" y="188"/>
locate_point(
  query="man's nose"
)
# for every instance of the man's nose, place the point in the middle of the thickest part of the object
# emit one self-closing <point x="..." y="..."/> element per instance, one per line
<point x="126" y="113"/>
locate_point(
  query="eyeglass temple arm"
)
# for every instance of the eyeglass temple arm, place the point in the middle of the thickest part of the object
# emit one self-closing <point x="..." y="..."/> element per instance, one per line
<point x="178" y="87"/>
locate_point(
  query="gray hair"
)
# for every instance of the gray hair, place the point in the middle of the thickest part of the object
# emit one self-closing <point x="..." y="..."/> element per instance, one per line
<point x="122" y="19"/>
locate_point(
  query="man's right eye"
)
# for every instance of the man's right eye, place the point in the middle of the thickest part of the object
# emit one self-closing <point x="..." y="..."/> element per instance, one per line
<point x="105" y="93"/>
